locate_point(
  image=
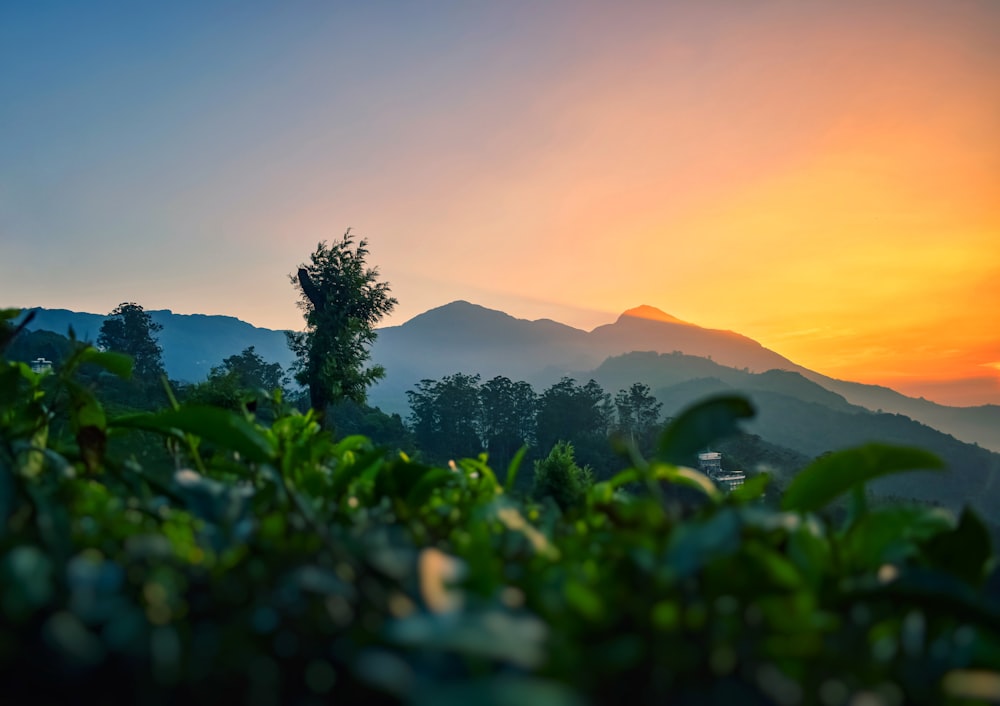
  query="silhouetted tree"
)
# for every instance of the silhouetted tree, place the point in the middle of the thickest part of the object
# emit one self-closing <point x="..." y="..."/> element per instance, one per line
<point x="570" y="412"/>
<point x="445" y="415"/>
<point x="638" y="415"/>
<point x="341" y="300"/>
<point x="241" y="379"/>
<point x="580" y="414"/>
<point x="508" y="421"/>
<point x="130" y="329"/>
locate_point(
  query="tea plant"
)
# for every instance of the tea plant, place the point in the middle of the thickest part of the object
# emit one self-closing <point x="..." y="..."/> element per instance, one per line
<point x="272" y="563"/>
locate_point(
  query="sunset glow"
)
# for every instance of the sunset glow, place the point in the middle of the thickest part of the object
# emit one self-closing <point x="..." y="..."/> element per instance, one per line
<point x="822" y="177"/>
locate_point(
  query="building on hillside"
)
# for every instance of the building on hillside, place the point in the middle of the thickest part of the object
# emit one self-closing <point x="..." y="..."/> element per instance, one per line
<point x="41" y="365"/>
<point x="710" y="463"/>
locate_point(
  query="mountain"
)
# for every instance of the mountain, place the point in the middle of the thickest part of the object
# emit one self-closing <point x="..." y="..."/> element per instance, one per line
<point x="979" y="424"/>
<point x="798" y="409"/>
<point x="799" y="414"/>
<point x="647" y="328"/>
<point x="465" y="337"/>
<point x="192" y="343"/>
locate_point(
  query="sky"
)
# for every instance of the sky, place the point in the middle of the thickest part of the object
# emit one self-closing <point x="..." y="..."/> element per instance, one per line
<point x="822" y="176"/>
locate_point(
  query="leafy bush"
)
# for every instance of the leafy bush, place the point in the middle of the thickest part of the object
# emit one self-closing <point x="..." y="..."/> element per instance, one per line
<point x="558" y="476"/>
<point x="275" y="564"/>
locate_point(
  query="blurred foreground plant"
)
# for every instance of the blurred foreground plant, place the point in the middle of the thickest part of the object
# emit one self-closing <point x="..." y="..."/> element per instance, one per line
<point x="279" y="565"/>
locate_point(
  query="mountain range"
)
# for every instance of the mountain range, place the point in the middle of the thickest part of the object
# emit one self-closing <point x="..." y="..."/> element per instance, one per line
<point x="464" y="337"/>
<point x="798" y="408"/>
<point x="192" y="343"/>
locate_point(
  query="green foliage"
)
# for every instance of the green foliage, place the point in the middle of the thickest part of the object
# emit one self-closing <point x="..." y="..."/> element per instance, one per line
<point x="446" y="416"/>
<point x="638" y="415"/>
<point x="697" y="427"/>
<point x="508" y="421"/>
<point x="130" y="330"/>
<point x="342" y="300"/>
<point x="348" y="417"/>
<point x="567" y="410"/>
<point x="31" y="345"/>
<point x="557" y="476"/>
<point x="241" y="380"/>
<point x="278" y="564"/>
<point x="830" y="476"/>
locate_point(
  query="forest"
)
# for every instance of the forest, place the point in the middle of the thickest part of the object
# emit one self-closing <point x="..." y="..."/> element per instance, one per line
<point x="246" y="539"/>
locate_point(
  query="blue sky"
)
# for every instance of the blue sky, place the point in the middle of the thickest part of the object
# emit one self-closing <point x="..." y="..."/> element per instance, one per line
<point x="821" y="176"/>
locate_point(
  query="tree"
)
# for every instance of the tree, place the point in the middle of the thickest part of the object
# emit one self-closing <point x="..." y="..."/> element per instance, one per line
<point x="241" y="379"/>
<point x="348" y="417"/>
<point x="508" y="423"/>
<point x="251" y="371"/>
<point x="580" y="414"/>
<point x="638" y="415"/>
<point x="130" y="329"/>
<point x="558" y="476"/>
<point x="445" y="415"/>
<point x="570" y="412"/>
<point x="341" y="300"/>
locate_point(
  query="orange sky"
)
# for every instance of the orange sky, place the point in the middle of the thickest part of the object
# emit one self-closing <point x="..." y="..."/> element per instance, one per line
<point x="820" y="176"/>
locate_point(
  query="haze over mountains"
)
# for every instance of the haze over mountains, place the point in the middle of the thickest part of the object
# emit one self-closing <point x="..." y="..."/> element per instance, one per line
<point x="464" y="337"/>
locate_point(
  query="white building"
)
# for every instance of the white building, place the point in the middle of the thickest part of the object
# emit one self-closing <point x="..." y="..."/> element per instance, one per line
<point x="710" y="463"/>
<point x="41" y="365"/>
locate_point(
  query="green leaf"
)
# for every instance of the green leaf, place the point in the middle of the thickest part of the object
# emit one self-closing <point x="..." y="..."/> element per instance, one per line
<point x="506" y="690"/>
<point x="681" y="475"/>
<point x="964" y="551"/>
<point x="891" y="535"/>
<point x="692" y="545"/>
<point x="345" y="473"/>
<point x="698" y="426"/>
<point x="410" y="482"/>
<point x="218" y="426"/>
<point x="422" y="491"/>
<point x="831" y="476"/>
<point x="810" y="552"/>
<point x="118" y="363"/>
<point x="751" y="489"/>
<point x="87" y="411"/>
<point x="477" y="468"/>
<point x="937" y="594"/>
<point x="490" y="633"/>
<point x="514" y="467"/>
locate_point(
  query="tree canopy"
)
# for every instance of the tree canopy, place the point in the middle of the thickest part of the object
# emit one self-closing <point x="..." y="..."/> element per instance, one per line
<point x="241" y="379"/>
<point x="342" y="300"/>
<point x="130" y="329"/>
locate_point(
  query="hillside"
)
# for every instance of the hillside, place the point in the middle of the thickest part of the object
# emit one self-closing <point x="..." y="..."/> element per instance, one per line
<point x="469" y="338"/>
<point x="192" y="343"/>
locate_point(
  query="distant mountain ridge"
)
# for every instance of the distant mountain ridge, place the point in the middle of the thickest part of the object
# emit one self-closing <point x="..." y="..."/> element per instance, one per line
<point x="799" y="414"/>
<point x="192" y="343"/>
<point x="465" y="337"/>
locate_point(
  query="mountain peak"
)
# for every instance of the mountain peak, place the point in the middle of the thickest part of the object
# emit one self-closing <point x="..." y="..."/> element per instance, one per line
<point x="651" y="313"/>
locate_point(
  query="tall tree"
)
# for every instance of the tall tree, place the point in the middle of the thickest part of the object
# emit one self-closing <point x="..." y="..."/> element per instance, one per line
<point x="446" y="416"/>
<point x="581" y="415"/>
<point x="571" y="412"/>
<point x="638" y="415"/>
<point x="508" y="417"/>
<point x="342" y="300"/>
<point x="130" y="329"/>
